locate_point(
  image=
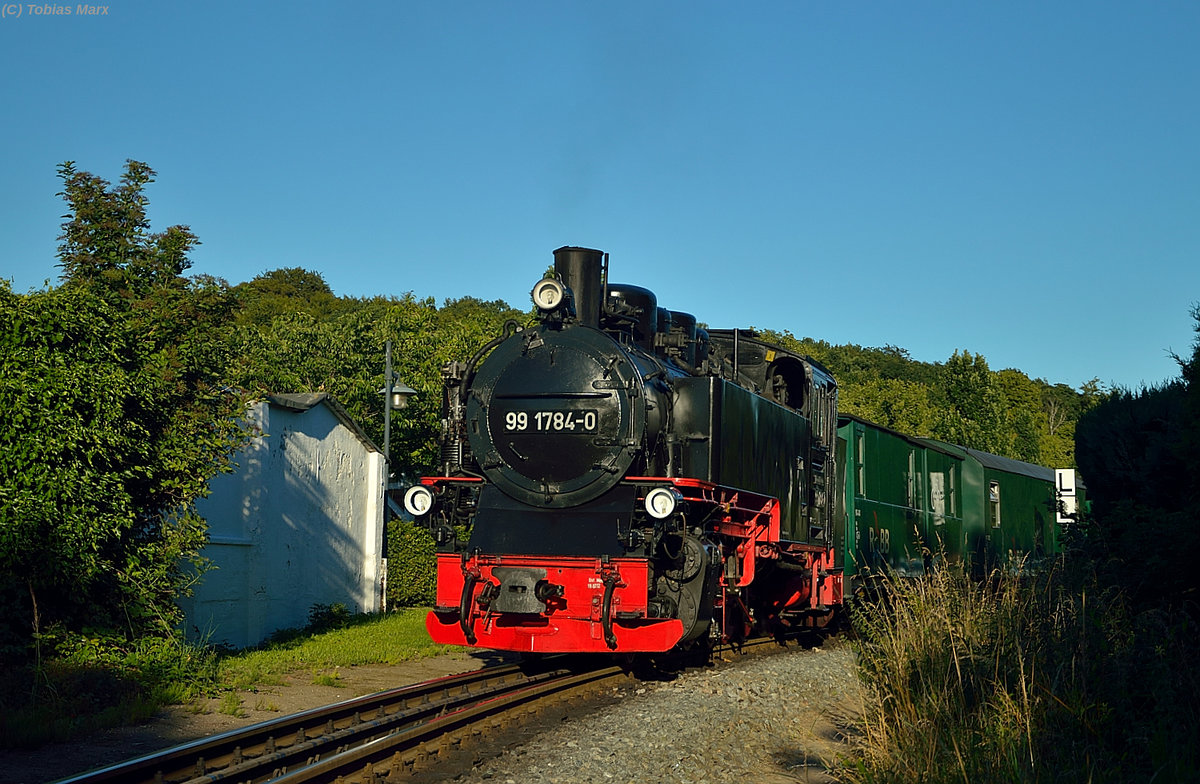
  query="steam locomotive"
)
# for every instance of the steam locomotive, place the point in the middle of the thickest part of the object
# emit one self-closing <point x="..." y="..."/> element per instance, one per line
<point x="616" y="478"/>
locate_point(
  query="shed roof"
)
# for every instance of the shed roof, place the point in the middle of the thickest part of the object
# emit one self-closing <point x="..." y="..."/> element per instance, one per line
<point x="303" y="401"/>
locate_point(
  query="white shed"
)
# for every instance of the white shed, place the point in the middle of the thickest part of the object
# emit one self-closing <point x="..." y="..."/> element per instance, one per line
<point x="299" y="522"/>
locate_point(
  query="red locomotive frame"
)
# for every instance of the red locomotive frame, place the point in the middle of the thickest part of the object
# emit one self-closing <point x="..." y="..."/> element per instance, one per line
<point x="602" y="603"/>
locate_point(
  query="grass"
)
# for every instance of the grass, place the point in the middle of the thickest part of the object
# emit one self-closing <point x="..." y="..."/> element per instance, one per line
<point x="266" y="705"/>
<point x="93" y="682"/>
<point x="327" y="679"/>
<point x="1023" y="679"/>
<point x="231" y="705"/>
<point x="365" y="639"/>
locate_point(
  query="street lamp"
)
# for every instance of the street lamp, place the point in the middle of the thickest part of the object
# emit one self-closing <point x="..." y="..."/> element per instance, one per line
<point x="400" y="394"/>
<point x="395" y="395"/>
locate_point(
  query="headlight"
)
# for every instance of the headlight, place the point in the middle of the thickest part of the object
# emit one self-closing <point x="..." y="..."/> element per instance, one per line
<point x="548" y="294"/>
<point x="418" y="500"/>
<point x="662" y="501"/>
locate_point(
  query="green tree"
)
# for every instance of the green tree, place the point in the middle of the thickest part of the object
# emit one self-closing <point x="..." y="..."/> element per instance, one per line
<point x="1024" y="419"/>
<point x="904" y="406"/>
<point x="106" y="241"/>
<point x="343" y="353"/>
<point x="285" y="291"/>
<point x="1061" y="407"/>
<point x="959" y="401"/>
<point x="973" y="414"/>
<point x="1139" y="453"/>
<point x="116" y="418"/>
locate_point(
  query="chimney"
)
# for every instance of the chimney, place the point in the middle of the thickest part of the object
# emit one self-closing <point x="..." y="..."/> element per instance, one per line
<point x="582" y="270"/>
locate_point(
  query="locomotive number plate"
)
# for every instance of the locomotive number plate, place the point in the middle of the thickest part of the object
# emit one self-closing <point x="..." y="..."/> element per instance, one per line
<point x="572" y="421"/>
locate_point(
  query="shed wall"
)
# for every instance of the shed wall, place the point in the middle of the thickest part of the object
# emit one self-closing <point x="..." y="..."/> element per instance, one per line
<point x="299" y="522"/>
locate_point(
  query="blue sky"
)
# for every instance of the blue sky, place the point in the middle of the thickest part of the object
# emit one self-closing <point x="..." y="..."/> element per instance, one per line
<point x="1017" y="179"/>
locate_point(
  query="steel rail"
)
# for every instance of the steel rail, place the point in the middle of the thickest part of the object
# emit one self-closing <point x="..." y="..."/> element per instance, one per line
<point x="283" y="739"/>
<point x="400" y="755"/>
<point x="397" y="729"/>
<point x="402" y="752"/>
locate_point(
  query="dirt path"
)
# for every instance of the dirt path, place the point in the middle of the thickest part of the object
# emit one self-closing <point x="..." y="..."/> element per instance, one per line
<point x="180" y="724"/>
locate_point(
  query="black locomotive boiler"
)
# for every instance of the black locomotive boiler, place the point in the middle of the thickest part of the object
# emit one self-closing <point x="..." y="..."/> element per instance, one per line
<point x="630" y="482"/>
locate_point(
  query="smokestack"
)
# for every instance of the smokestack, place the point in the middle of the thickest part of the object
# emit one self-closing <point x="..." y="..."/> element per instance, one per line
<point x="582" y="270"/>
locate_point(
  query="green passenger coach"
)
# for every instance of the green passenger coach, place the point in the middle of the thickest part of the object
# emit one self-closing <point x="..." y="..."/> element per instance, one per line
<point x="912" y="502"/>
<point x="1012" y="509"/>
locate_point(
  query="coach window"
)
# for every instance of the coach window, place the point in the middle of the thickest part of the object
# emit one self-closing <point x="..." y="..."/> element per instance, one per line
<point x="860" y="461"/>
<point x="912" y="479"/>
<point x="952" y="491"/>
<point x="994" y="503"/>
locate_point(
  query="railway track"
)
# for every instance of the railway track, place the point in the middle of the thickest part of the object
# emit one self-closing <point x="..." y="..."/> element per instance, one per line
<point x="394" y="731"/>
<point x="390" y="736"/>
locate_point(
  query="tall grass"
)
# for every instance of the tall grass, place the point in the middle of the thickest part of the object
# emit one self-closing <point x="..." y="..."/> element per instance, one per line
<point x="93" y="682"/>
<point x="1023" y="679"/>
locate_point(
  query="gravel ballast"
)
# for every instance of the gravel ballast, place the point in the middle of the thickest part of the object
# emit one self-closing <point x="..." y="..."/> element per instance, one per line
<point x="761" y="719"/>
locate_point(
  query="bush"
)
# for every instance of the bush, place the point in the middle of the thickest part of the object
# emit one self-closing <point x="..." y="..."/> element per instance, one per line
<point x="412" y="565"/>
<point x="326" y="617"/>
<point x="94" y="680"/>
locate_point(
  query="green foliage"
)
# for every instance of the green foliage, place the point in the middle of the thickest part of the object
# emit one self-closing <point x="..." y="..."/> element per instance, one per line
<point x="343" y="353"/>
<point x="324" y="617"/>
<point x="961" y="401"/>
<point x="117" y="416"/>
<point x="904" y="406"/>
<point x="106" y="242"/>
<point x="1024" y="680"/>
<point x="94" y="680"/>
<point x="973" y="414"/>
<point x="853" y="365"/>
<point x="1140" y="456"/>
<point x="1021" y="404"/>
<point x="283" y="291"/>
<point x="412" y="565"/>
